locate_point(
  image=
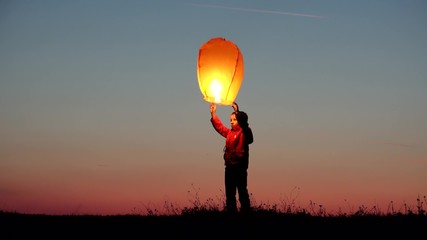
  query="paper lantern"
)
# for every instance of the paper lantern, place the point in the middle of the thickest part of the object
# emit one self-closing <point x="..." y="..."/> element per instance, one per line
<point x="220" y="71"/>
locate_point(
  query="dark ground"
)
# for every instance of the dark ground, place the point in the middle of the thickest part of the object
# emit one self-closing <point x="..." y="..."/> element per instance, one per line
<point x="210" y="226"/>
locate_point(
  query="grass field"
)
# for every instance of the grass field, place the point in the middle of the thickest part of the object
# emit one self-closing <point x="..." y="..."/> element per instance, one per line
<point x="209" y="222"/>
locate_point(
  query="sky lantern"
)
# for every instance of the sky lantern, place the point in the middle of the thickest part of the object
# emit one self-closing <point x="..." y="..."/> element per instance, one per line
<point x="220" y="71"/>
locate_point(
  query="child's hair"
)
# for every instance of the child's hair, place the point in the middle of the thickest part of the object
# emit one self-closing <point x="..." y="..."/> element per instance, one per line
<point x="242" y="119"/>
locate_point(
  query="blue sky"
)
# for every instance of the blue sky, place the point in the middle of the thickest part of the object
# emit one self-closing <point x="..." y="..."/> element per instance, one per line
<point x="102" y="96"/>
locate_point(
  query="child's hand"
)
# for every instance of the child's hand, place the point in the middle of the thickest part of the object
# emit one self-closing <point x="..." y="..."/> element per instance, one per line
<point x="235" y="107"/>
<point x="213" y="107"/>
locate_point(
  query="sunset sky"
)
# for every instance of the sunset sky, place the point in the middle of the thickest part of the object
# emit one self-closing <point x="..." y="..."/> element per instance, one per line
<point x="101" y="112"/>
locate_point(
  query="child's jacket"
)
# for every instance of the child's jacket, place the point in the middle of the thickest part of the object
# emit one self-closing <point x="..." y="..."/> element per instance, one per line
<point x="236" y="150"/>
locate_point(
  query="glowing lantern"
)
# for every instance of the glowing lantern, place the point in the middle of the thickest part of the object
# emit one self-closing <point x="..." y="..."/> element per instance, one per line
<point x="220" y="71"/>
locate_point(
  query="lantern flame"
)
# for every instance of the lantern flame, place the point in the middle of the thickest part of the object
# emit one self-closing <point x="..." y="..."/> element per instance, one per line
<point x="216" y="90"/>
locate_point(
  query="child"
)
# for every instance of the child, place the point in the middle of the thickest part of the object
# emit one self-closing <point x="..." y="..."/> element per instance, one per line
<point x="236" y="156"/>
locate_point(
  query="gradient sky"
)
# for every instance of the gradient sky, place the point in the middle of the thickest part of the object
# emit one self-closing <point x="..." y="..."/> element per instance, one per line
<point x="101" y="112"/>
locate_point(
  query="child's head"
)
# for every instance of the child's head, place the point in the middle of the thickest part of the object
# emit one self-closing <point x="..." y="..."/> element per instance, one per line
<point x="242" y="119"/>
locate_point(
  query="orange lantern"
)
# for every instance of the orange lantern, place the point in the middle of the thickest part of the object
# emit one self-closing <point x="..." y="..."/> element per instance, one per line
<point x="220" y="71"/>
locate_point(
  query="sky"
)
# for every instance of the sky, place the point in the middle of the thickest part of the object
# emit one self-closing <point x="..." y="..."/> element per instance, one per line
<point x="101" y="112"/>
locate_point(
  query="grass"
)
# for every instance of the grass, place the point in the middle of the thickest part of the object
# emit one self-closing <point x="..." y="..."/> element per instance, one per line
<point x="206" y="219"/>
<point x="284" y="207"/>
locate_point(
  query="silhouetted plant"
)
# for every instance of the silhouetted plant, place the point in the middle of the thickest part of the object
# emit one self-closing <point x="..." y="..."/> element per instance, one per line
<point x="149" y="211"/>
<point x="199" y="207"/>
<point x="321" y="212"/>
<point x="171" y="208"/>
<point x="390" y="209"/>
<point x="289" y="204"/>
<point x="420" y="204"/>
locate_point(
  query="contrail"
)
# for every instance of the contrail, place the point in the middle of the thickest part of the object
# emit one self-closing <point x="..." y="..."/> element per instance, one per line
<point x="259" y="11"/>
<point x="396" y="144"/>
